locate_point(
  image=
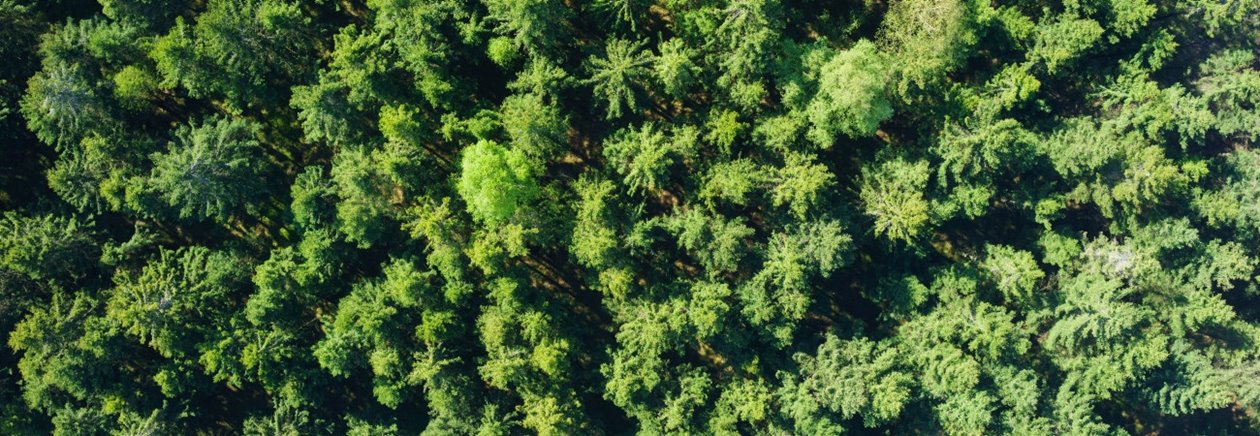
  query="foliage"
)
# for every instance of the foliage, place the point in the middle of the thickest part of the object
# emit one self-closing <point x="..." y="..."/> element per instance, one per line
<point x="851" y="97"/>
<point x="212" y="170"/>
<point x="495" y="182"/>
<point x="893" y="192"/>
<point x="616" y="77"/>
<point x="629" y="216"/>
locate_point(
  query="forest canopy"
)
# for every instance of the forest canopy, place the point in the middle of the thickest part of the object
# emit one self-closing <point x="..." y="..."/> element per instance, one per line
<point x="377" y="217"/>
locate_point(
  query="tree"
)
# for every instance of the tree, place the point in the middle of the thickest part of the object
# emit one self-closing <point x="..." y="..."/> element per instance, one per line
<point x="618" y="77"/>
<point x="1234" y="203"/>
<point x="747" y="36"/>
<point x="643" y="156"/>
<point x="1061" y="41"/>
<point x="145" y="13"/>
<point x="799" y="184"/>
<point x="237" y="50"/>
<point x="594" y="236"/>
<point x="419" y="32"/>
<point x="535" y="26"/>
<point x="174" y="301"/>
<point x="24" y="155"/>
<point x="398" y="329"/>
<point x="71" y="356"/>
<point x="62" y="107"/>
<point x="927" y="39"/>
<point x="1014" y="272"/>
<point x="675" y="67"/>
<point x="529" y="355"/>
<point x="893" y="194"/>
<point x="536" y="128"/>
<point x="622" y="12"/>
<point x="48" y="248"/>
<point x="972" y="153"/>
<point x="715" y="242"/>
<point x="851" y="95"/>
<point x="213" y="170"/>
<point x="733" y="182"/>
<point x="843" y="380"/>
<point x="495" y="182"/>
<point x="336" y="108"/>
<point x="778" y="296"/>
<point x="542" y="77"/>
<point x="1230" y="88"/>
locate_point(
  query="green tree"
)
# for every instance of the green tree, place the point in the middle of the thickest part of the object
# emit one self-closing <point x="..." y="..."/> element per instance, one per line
<point x="851" y="95"/>
<point x="536" y="128"/>
<point x="536" y="26"/>
<point x="843" y="380"/>
<point x="644" y="156"/>
<point x="240" y="50"/>
<point x="675" y="67"/>
<point x="893" y="196"/>
<point x="1064" y="40"/>
<point x="173" y="302"/>
<point x="495" y="182"/>
<point x="619" y="76"/>
<point x="62" y="106"/>
<point x="48" y="248"/>
<point x="927" y="39"/>
<point x="747" y="36"/>
<point x="213" y="170"/>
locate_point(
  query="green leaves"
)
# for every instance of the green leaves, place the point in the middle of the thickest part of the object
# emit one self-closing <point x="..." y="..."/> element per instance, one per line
<point x="1230" y="88"/>
<point x="747" y="35"/>
<point x="527" y="353"/>
<point x="851" y="97"/>
<point x="618" y="77"/>
<point x="971" y="154"/>
<point x="535" y="26"/>
<point x="538" y="129"/>
<point x="47" y="248"/>
<point x="622" y="12"/>
<point x="1059" y="42"/>
<point x="61" y="106"/>
<point x="893" y="194"/>
<point x="717" y="243"/>
<point x="594" y="236"/>
<point x="843" y="380"/>
<point x="1014" y="272"/>
<point x="645" y="155"/>
<point x="213" y="170"/>
<point x="55" y="363"/>
<point x="800" y="184"/>
<point x="675" y="67"/>
<point x="173" y="301"/>
<point x="238" y="50"/>
<point x="629" y="216"/>
<point x="927" y="39"/>
<point x="495" y="182"/>
<point x="395" y="328"/>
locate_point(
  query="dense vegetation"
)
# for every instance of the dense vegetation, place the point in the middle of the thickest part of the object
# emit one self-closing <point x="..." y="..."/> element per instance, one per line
<point x="617" y="216"/>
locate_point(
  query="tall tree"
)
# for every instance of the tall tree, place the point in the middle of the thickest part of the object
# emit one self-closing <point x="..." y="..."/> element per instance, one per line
<point x="214" y="170"/>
